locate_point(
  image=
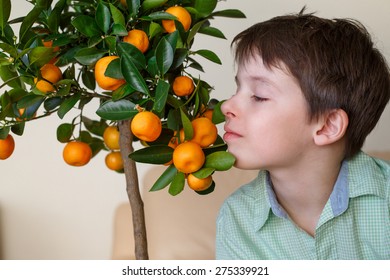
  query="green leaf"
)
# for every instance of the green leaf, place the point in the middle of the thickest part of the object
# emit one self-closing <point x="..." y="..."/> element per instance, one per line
<point x="194" y="30"/>
<point x="219" y="145"/>
<point x="232" y="13"/>
<point x="162" y="90"/>
<point x="212" y="31"/>
<point x="89" y="56"/>
<point x="7" y="48"/>
<point x="151" y="4"/>
<point x="114" y="69"/>
<point x="218" y="116"/>
<point x="159" y="16"/>
<point x="164" y="55"/>
<point x="30" y="110"/>
<point x="122" y="92"/>
<point x="132" y="75"/>
<point x="152" y="67"/>
<point x="117" y="15"/>
<point x="204" y="172"/>
<point x="187" y="126"/>
<point x="52" y="103"/>
<point x="209" y="55"/>
<point x="85" y="137"/>
<point x="172" y="39"/>
<point x="133" y="7"/>
<point x="64" y="132"/>
<point x="119" y="29"/>
<point x="10" y="77"/>
<point x="18" y="129"/>
<point x="4" y="131"/>
<point x="40" y="56"/>
<point x="220" y="161"/>
<point x="5" y="12"/>
<point x="177" y="184"/>
<point x="132" y="53"/>
<point x="68" y="104"/>
<point x="55" y="16"/>
<point x="205" y="7"/>
<point x="165" y="179"/>
<point x="180" y="57"/>
<point x="28" y="21"/>
<point x="88" y="78"/>
<point x="86" y="25"/>
<point x="155" y="29"/>
<point x="103" y="17"/>
<point x="30" y="100"/>
<point x="153" y="154"/>
<point x="117" y="110"/>
<point x="95" y="127"/>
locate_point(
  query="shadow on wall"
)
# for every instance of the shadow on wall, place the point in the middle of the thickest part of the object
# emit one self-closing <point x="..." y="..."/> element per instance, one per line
<point x="178" y="227"/>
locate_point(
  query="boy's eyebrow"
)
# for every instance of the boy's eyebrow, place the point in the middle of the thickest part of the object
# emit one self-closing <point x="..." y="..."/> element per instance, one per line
<point x="260" y="78"/>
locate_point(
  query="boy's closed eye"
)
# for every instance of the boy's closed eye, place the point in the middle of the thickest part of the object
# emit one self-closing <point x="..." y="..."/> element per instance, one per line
<point x="259" y="98"/>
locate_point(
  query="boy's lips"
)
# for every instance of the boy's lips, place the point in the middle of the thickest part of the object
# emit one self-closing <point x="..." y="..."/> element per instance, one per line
<point x="230" y="134"/>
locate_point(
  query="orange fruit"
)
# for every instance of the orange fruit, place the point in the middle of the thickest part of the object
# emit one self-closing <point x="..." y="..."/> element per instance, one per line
<point x="205" y="132"/>
<point x="183" y="86"/>
<point x="111" y="137"/>
<point x="51" y="74"/>
<point x="188" y="157"/>
<point x="137" y="38"/>
<point x="7" y="147"/>
<point x="183" y="16"/>
<point x="198" y="184"/>
<point x="104" y="81"/>
<point x="146" y="126"/>
<point x="49" y="44"/>
<point x="124" y="3"/>
<point x="208" y="114"/>
<point x="77" y="153"/>
<point x="114" y="161"/>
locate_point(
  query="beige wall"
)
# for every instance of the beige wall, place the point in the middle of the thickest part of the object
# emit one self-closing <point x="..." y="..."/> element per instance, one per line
<point x="49" y="210"/>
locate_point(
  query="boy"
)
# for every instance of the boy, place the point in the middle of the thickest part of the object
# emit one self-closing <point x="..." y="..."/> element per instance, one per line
<point x="309" y="91"/>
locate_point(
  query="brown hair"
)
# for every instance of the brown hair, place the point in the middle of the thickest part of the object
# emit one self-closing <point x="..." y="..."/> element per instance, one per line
<point x="334" y="62"/>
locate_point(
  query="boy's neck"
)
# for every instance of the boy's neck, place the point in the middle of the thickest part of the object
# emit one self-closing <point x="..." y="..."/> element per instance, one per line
<point x="304" y="189"/>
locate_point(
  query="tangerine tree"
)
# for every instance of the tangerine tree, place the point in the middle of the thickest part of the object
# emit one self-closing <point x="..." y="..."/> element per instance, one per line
<point x="136" y="58"/>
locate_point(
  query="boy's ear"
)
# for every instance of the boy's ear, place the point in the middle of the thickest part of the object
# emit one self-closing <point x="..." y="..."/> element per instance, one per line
<point x="331" y="127"/>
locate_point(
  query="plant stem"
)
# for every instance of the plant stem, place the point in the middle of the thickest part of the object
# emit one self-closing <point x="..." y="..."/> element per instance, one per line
<point x="133" y="193"/>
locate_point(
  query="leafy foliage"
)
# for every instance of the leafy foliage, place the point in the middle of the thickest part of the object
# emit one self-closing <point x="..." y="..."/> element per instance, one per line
<point x="80" y="32"/>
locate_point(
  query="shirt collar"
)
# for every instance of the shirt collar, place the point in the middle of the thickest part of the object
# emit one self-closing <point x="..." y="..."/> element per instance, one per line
<point x="361" y="175"/>
<point x="368" y="176"/>
<point x="339" y="197"/>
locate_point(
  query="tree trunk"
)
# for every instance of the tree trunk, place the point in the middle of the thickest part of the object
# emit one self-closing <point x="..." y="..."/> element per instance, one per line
<point x="133" y="193"/>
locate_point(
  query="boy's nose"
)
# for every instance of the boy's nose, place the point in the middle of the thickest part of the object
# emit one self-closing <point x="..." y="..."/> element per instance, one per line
<point x="227" y="108"/>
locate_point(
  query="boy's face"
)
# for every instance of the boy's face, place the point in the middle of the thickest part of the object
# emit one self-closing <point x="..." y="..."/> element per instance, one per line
<point x="267" y="124"/>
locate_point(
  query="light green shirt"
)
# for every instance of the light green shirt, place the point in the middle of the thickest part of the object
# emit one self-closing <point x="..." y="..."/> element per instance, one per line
<point x="355" y="222"/>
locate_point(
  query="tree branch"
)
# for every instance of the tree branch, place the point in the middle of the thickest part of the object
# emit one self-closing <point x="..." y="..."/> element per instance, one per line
<point x="133" y="193"/>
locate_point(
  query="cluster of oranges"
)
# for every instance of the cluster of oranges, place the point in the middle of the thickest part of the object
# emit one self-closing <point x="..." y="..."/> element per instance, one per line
<point x="78" y="153"/>
<point x="188" y="156"/>
<point x="50" y="74"/>
<point x="182" y="86"/>
<point x="111" y="138"/>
